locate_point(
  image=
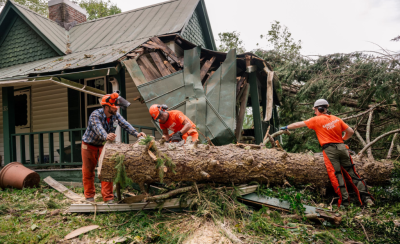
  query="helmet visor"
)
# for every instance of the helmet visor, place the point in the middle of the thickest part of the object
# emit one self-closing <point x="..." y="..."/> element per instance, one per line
<point x="121" y="102"/>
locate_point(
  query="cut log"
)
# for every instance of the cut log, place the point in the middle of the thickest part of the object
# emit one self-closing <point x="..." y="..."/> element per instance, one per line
<point x="235" y="165"/>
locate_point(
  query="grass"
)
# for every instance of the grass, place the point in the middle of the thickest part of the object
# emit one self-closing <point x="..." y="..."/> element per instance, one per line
<point x="26" y="217"/>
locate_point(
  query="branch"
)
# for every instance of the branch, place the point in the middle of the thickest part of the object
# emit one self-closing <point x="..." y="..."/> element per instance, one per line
<point x="365" y="112"/>
<point x="278" y="133"/>
<point x="377" y="139"/>
<point x="389" y="155"/>
<point x="360" y="138"/>
<point x="368" y="135"/>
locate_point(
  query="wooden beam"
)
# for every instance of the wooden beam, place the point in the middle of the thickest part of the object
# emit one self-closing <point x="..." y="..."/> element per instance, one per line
<point x="206" y="67"/>
<point x="255" y="103"/>
<point x="240" y="84"/>
<point x="64" y="190"/>
<point x="270" y="97"/>
<point x="242" y="111"/>
<point x="149" y="66"/>
<point x="205" y="83"/>
<point x="160" y="64"/>
<point x="167" y="50"/>
<point x="149" y="76"/>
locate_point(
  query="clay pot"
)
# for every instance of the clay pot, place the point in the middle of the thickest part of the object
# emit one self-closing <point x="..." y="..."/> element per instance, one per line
<point x="18" y="176"/>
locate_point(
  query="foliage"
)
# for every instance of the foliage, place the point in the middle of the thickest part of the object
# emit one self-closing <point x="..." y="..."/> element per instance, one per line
<point x="99" y="8"/>
<point x="288" y="194"/>
<point x="39" y="6"/>
<point x="121" y="178"/>
<point x="230" y="40"/>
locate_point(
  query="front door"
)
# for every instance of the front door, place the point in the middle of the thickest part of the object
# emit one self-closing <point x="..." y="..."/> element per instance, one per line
<point x="22" y="103"/>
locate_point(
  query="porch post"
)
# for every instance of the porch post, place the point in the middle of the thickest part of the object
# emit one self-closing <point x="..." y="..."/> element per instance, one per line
<point x="122" y="89"/>
<point x="255" y="104"/>
<point x="8" y="124"/>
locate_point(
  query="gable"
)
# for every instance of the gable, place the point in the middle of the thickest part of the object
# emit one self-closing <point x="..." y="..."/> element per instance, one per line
<point x="198" y="29"/>
<point x="23" y="45"/>
<point x="194" y="31"/>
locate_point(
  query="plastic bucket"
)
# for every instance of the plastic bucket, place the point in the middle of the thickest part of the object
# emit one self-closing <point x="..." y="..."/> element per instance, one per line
<point x="18" y="176"/>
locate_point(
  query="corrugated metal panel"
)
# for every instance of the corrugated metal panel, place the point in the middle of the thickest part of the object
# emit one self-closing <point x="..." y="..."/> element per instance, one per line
<point x="101" y="55"/>
<point x="138" y="114"/>
<point x="107" y="38"/>
<point x="55" y="33"/>
<point x="158" y="19"/>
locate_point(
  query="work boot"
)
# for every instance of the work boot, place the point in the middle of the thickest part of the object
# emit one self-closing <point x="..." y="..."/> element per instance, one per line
<point x="369" y="202"/>
<point x="90" y="199"/>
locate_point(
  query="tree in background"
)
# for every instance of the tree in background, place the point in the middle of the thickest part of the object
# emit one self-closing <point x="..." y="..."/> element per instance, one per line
<point x="39" y="6"/>
<point x="230" y="40"/>
<point x="99" y="8"/>
<point x="361" y="88"/>
<point x="95" y="8"/>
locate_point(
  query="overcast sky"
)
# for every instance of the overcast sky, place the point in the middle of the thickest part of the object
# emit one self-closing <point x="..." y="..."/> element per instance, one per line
<point x="323" y="26"/>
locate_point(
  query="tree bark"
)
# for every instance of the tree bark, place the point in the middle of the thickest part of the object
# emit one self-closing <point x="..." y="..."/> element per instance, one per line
<point x="230" y="164"/>
<point x="389" y="155"/>
<point x="368" y="135"/>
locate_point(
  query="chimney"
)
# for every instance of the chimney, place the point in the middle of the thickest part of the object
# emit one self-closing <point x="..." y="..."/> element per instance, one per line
<point x="66" y="13"/>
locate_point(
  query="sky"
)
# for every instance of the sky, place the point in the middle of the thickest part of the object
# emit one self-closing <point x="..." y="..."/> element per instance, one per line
<point x="323" y="26"/>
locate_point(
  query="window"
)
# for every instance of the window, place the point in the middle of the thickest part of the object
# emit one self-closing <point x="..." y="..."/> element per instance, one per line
<point x="92" y="102"/>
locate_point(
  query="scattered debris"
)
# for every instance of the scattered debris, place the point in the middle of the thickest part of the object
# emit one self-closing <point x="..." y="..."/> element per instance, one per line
<point x="80" y="231"/>
<point x="64" y="190"/>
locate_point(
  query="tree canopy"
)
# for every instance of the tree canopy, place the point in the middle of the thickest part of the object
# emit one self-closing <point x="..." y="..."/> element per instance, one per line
<point x="362" y="86"/>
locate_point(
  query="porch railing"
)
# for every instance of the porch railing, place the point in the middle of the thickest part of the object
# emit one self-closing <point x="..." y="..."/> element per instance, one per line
<point x="68" y="155"/>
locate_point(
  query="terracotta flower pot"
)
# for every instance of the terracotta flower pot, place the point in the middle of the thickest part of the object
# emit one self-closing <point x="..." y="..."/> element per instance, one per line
<point x="18" y="176"/>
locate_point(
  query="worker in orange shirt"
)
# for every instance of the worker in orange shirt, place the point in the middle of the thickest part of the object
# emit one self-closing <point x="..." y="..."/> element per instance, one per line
<point x="338" y="161"/>
<point x="175" y="121"/>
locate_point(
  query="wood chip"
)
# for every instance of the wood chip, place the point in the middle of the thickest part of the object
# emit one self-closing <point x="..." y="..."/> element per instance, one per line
<point x="80" y="231"/>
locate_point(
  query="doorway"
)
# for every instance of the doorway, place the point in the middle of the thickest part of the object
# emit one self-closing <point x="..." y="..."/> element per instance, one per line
<point x="22" y="105"/>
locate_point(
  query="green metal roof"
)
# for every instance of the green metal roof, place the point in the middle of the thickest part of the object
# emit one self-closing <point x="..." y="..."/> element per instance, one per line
<point x="106" y="39"/>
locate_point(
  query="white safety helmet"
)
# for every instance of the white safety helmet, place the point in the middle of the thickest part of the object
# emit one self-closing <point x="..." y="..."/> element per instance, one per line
<point x="321" y="102"/>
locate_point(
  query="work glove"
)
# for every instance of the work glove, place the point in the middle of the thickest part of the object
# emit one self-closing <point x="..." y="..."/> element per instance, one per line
<point x="177" y="137"/>
<point x="284" y="128"/>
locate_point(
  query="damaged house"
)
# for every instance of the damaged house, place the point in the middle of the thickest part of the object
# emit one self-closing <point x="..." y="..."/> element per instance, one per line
<point x="54" y="70"/>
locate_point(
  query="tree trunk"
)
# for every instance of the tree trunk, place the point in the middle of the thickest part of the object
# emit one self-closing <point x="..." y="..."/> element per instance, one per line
<point x="230" y="164"/>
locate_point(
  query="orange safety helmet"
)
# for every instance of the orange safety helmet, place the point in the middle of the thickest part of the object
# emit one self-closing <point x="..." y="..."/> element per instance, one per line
<point x="156" y="109"/>
<point x="110" y="100"/>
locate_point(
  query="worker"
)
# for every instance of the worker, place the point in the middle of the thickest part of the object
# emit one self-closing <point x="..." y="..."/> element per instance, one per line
<point x="101" y="128"/>
<point x="175" y="121"/>
<point x="338" y="161"/>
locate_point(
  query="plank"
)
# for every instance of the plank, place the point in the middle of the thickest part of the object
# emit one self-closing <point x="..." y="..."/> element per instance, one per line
<point x="242" y="111"/>
<point x="270" y="97"/>
<point x="240" y="84"/>
<point x="149" y="76"/>
<point x="149" y="66"/>
<point x="160" y="64"/>
<point x="169" y="203"/>
<point x="166" y="62"/>
<point x="167" y="50"/>
<point x="205" y="83"/>
<point x="206" y="67"/>
<point x="135" y="72"/>
<point x="64" y="190"/>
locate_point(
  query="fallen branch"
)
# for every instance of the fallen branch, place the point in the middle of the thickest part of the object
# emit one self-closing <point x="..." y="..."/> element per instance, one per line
<point x="377" y="139"/>
<point x="389" y="155"/>
<point x="368" y="135"/>
<point x="365" y="112"/>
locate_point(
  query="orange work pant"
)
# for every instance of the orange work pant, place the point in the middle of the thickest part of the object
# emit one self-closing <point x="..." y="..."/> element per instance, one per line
<point x="192" y="132"/>
<point x="90" y="156"/>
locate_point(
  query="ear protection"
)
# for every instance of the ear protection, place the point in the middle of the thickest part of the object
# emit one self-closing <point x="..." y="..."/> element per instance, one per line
<point x="162" y="107"/>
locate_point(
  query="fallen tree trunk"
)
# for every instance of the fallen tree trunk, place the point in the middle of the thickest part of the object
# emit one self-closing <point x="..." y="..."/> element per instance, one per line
<point x="229" y="164"/>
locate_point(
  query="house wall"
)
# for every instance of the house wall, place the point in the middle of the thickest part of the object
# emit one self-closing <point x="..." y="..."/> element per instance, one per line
<point x="49" y="112"/>
<point x="194" y="32"/>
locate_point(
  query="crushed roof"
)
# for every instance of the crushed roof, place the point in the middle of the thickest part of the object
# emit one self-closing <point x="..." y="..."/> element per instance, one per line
<point x="105" y="39"/>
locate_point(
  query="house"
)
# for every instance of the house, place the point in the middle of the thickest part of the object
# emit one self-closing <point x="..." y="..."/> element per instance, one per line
<point x="52" y="72"/>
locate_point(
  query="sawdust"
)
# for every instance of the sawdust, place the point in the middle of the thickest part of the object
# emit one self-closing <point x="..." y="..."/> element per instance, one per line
<point x="208" y="233"/>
